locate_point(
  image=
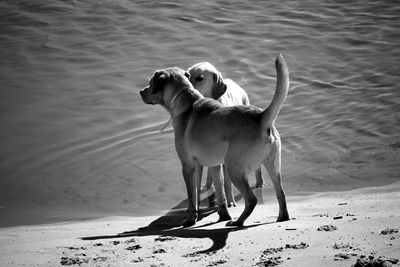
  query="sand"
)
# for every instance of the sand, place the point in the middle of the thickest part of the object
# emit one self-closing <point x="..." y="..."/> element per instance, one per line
<point x="329" y="229"/>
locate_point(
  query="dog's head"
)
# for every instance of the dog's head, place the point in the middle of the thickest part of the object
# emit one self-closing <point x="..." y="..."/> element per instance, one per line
<point x="164" y="85"/>
<point x="207" y="79"/>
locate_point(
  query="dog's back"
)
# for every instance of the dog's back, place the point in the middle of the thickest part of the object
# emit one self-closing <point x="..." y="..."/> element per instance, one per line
<point x="234" y="95"/>
<point x="213" y="128"/>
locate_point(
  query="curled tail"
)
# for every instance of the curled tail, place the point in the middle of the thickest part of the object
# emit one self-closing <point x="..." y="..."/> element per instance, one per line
<point x="282" y="87"/>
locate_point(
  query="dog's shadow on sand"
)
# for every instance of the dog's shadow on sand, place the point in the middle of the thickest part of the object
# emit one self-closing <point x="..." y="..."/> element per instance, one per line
<point x="170" y="225"/>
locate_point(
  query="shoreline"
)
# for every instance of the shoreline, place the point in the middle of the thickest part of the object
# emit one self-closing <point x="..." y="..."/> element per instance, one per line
<point x="361" y="224"/>
<point x="24" y="217"/>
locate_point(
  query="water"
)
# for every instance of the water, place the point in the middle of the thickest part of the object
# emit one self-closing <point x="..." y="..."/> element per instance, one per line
<point x="77" y="142"/>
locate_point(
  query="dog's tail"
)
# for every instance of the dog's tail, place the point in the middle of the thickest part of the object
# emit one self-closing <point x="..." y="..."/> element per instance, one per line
<point x="282" y="87"/>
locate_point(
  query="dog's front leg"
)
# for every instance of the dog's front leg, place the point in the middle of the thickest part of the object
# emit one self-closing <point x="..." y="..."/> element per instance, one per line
<point x="218" y="179"/>
<point x="191" y="173"/>
<point x="228" y="190"/>
<point x="199" y="174"/>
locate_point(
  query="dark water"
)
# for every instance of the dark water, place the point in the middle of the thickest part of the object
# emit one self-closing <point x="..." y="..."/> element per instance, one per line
<point x="76" y="141"/>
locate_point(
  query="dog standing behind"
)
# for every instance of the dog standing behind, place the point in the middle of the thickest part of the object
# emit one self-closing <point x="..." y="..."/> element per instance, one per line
<point x="209" y="81"/>
<point x="208" y="133"/>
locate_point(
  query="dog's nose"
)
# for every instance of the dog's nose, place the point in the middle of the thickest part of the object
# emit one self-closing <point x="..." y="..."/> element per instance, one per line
<point x="141" y="92"/>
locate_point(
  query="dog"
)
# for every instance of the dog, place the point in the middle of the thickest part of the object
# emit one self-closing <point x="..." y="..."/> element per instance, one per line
<point x="207" y="133"/>
<point x="209" y="81"/>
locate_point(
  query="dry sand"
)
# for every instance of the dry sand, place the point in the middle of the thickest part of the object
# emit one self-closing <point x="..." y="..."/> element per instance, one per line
<point x="329" y="229"/>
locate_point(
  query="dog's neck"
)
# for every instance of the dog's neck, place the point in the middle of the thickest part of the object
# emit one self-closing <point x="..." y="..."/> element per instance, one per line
<point x="171" y="103"/>
<point x="176" y="96"/>
<point x="182" y="101"/>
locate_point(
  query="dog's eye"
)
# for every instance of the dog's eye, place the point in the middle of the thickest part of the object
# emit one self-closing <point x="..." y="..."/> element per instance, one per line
<point x="158" y="82"/>
<point x="199" y="79"/>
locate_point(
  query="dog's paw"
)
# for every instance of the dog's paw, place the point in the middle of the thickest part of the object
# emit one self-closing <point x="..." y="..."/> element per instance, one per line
<point x="224" y="214"/>
<point x="189" y="222"/>
<point x="234" y="224"/>
<point x="283" y="218"/>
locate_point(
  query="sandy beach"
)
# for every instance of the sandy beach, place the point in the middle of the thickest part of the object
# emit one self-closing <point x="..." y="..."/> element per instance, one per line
<point x="329" y="229"/>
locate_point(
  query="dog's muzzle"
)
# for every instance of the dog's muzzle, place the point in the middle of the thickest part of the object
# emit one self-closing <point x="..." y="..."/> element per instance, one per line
<point x="144" y="93"/>
<point x="141" y="93"/>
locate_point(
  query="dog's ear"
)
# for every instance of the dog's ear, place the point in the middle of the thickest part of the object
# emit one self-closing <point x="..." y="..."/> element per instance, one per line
<point x="159" y="80"/>
<point x="219" y="87"/>
<point x="187" y="74"/>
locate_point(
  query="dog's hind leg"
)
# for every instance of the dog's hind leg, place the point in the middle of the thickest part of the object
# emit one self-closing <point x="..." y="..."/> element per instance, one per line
<point x="208" y="184"/>
<point x="240" y="180"/>
<point x="228" y="190"/>
<point x="209" y="189"/>
<point x="259" y="178"/>
<point x="272" y="163"/>
<point x="191" y="174"/>
<point x="218" y="179"/>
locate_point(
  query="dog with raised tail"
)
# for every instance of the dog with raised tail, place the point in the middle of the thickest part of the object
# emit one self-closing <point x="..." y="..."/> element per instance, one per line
<point x="207" y="133"/>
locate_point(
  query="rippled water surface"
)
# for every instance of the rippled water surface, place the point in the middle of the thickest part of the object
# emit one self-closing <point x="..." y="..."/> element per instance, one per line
<point x="76" y="141"/>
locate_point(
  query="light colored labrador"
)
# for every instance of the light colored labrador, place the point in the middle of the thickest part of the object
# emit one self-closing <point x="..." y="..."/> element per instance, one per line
<point x="209" y="81"/>
<point x="207" y="133"/>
